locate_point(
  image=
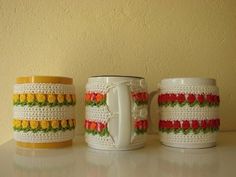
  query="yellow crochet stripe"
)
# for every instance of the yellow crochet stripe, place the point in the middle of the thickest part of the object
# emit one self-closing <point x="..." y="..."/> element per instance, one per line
<point x="40" y="99"/>
<point x="43" y="125"/>
<point x="44" y="79"/>
<point x="44" y="145"/>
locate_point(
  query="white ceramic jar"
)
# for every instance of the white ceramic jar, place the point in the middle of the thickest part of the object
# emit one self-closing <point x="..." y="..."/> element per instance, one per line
<point x="116" y="112"/>
<point x="189" y="112"/>
<point x="43" y="112"/>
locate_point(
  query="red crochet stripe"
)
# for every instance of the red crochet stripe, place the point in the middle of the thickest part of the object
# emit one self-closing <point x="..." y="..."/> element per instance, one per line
<point x="141" y="125"/>
<point x="191" y="99"/>
<point x="94" y="126"/>
<point x="168" y="125"/>
<point x="94" y="99"/>
<point x="140" y="98"/>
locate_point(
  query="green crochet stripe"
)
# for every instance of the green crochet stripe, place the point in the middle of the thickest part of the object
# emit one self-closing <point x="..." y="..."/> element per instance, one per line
<point x="39" y="129"/>
<point x="104" y="132"/>
<point x="187" y="131"/>
<point x="46" y="103"/>
<point x="140" y="103"/>
<point x="140" y="131"/>
<point x="173" y="104"/>
<point x="94" y="103"/>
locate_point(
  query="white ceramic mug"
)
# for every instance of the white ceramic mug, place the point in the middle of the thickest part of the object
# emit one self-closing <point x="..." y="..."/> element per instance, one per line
<point x="189" y="112"/>
<point x="116" y="112"/>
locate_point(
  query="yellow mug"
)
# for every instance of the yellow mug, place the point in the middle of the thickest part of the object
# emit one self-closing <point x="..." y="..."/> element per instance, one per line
<point x="43" y="111"/>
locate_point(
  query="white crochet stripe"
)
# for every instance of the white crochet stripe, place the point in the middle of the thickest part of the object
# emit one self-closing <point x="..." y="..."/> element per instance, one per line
<point x="107" y="142"/>
<point x="190" y="138"/>
<point x="41" y="137"/>
<point x="98" y="114"/>
<point x="44" y="88"/>
<point x="96" y="139"/>
<point x="102" y="87"/>
<point x="189" y="113"/>
<point x="140" y="111"/>
<point x="190" y="89"/>
<point x="96" y="86"/>
<point x="138" y="86"/>
<point x="102" y="114"/>
<point x="137" y="89"/>
<point x="43" y="113"/>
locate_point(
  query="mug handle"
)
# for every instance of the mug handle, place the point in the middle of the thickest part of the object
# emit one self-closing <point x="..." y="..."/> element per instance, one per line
<point x="151" y="96"/>
<point x="124" y="128"/>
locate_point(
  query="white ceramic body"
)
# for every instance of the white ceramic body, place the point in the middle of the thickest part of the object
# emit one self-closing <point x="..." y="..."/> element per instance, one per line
<point x="189" y="112"/>
<point x="119" y="113"/>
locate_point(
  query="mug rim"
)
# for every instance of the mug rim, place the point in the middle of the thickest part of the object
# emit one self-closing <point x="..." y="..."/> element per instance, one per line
<point x="188" y="81"/>
<point x="44" y="79"/>
<point x="116" y="76"/>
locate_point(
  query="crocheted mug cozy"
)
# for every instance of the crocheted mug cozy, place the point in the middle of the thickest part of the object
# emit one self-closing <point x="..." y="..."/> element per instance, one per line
<point x="189" y="115"/>
<point x="43" y="111"/>
<point x="116" y="112"/>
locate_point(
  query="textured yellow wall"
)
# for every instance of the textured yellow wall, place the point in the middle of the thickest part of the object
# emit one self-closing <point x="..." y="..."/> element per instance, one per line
<point x="150" y="38"/>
